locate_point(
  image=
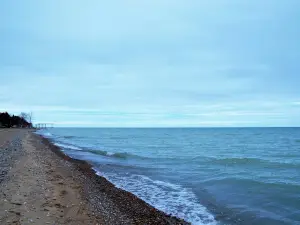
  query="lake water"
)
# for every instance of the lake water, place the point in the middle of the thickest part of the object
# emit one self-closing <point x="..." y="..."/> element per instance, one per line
<point x="205" y="176"/>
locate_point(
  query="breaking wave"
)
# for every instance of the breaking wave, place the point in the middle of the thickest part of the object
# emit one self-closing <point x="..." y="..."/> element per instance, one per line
<point x="120" y="155"/>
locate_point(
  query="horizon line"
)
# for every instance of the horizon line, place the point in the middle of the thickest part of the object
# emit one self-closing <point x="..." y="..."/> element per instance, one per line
<point x="176" y="127"/>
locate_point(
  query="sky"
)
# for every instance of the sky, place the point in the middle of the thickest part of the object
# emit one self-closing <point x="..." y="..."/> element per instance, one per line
<point x="151" y="63"/>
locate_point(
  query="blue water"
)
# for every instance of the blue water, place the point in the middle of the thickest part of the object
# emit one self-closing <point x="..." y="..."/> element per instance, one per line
<point x="205" y="176"/>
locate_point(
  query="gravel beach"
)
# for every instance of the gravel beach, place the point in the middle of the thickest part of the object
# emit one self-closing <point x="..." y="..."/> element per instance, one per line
<point x="39" y="184"/>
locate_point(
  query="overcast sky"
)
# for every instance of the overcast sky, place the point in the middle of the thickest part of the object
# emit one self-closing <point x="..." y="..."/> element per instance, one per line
<point x="152" y="63"/>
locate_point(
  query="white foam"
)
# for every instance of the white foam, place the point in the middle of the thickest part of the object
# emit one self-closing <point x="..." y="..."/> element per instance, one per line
<point x="43" y="133"/>
<point x="67" y="146"/>
<point x="162" y="183"/>
<point x="110" y="153"/>
<point x="170" y="198"/>
<point x="48" y="134"/>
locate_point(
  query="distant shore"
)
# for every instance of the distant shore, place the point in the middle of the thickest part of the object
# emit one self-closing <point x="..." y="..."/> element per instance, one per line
<point x="41" y="185"/>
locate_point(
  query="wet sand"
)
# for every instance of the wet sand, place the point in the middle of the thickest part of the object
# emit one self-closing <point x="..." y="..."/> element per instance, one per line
<point x="41" y="185"/>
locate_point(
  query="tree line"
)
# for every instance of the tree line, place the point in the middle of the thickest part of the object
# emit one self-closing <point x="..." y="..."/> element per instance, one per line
<point x="21" y="121"/>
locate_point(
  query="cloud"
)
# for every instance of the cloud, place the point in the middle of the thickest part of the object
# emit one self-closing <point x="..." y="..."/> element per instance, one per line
<point x="151" y="63"/>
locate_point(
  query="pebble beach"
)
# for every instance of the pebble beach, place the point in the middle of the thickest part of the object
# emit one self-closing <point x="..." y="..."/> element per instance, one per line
<point x="39" y="184"/>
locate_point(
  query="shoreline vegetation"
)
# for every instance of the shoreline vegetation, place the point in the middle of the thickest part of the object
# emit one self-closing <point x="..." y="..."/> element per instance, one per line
<point x="22" y="121"/>
<point x="61" y="190"/>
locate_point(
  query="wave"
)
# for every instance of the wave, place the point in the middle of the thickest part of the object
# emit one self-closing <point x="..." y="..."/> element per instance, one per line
<point x="169" y="197"/>
<point x="255" y="183"/>
<point x="120" y="155"/>
<point x="238" y="161"/>
<point x="253" y="162"/>
<point x="67" y="146"/>
<point x="69" y="137"/>
<point x="98" y="152"/>
<point x="288" y="155"/>
<point x="48" y="134"/>
<point x="44" y="134"/>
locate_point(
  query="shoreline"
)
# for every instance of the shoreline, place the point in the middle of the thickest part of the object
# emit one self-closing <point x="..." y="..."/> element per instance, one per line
<point x="102" y="198"/>
<point x="41" y="175"/>
<point x="140" y="211"/>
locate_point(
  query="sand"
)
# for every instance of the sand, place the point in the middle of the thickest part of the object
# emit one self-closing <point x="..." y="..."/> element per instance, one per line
<point x="41" y="185"/>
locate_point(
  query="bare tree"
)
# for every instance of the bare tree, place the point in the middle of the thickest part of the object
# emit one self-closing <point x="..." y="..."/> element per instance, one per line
<point x="24" y="116"/>
<point x="27" y="117"/>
